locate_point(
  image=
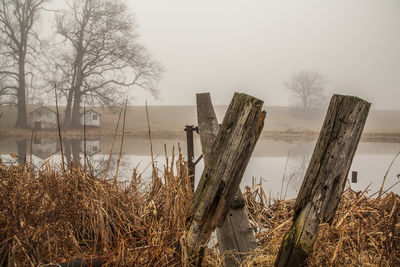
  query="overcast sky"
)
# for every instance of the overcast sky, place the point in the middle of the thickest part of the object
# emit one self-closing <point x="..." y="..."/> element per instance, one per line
<point x="253" y="46"/>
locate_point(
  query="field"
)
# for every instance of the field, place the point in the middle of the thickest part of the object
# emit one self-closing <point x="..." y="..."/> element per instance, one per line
<point x="281" y="122"/>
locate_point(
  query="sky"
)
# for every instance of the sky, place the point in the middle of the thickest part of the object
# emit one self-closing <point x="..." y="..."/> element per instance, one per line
<point x="253" y="46"/>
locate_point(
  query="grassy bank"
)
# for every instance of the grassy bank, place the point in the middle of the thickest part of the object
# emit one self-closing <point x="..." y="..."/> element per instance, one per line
<point x="180" y="134"/>
<point x="169" y="121"/>
<point x="51" y="215"/>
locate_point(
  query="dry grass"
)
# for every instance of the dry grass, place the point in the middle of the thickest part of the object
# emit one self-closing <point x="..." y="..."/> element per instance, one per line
<point x="364" y="232"/>
<point x="49" y="216"/>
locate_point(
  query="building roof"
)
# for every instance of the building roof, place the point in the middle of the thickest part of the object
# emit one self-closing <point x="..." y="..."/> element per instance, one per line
<point x="41" y="108"/>
<point x="91" y="110"/>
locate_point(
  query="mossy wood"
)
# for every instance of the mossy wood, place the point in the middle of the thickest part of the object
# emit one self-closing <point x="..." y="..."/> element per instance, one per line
<point x="325" y="178"/>
<point x="239" y="132"/>
<point x="236" y="236"/>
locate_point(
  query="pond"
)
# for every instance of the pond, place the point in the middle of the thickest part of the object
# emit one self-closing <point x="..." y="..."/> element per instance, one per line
<point x="279" y="165"/>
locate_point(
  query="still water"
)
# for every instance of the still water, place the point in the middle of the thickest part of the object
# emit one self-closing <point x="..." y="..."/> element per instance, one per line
<point x="278" y="164"/>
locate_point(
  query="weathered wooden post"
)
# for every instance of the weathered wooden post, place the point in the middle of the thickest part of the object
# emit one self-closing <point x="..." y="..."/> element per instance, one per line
<point x="354" y="177"/>
<point x="235" y="236"/>
<point x="325" y="178"/>
<point x="240" y="129"/>
<point x="190" y="152"/>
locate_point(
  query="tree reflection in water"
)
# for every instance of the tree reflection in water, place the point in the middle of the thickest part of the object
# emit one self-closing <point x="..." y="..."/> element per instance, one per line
<point x="99" y="165"/>
<point x="22" y="149"/>
<point x="296" y="169"/>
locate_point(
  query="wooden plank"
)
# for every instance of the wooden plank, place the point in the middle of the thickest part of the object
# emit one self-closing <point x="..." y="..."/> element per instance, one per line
<point x="208" y="124"/>
<point x="230" y="154"/>
<point x="325" y="178"/>
<point x="235" y="237"/>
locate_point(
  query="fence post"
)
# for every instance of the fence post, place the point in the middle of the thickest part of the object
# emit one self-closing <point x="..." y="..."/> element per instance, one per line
<point x="242" y="125"/>
<point x="325" y="178"/>
<point x="190" y="152"/>
<point x="354" y="177"/>
<point x="235" y="236"/>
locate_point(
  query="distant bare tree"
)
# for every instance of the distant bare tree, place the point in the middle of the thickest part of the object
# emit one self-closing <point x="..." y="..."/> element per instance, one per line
<point x="17" y="49"/>
<point x="307" y="87"/>
<point x="103" y="57"/>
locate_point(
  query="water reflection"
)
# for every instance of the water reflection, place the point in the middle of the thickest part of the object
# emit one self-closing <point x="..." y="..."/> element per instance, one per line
<point x="280" y="164"/>
<point x="44" y="148"/>
<point x="71" y="149"/>
<point x="296" y="170"/>
<point x="21" y="153"/>
<point x="90" y="147"/>
<point x="86" y="154"/>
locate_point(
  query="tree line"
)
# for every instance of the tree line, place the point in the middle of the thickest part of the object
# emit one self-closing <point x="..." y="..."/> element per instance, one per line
<point x="93" y="57"/>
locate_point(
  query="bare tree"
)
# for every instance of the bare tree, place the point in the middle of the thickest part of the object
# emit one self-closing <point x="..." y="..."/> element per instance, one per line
<point x="307" y="87"/>
<point x="7" y="92"/>
<point x="17" y="38"/>
<point x="103" y="59"/>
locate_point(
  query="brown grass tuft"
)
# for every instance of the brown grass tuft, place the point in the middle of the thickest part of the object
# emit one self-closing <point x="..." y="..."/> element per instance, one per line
<point x="364" y="232"/>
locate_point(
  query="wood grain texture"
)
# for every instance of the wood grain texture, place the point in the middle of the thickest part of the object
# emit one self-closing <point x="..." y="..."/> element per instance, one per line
<point x="230" y="154"/>
<point x="207" y="123"/>
<point x="325" y="178"/>
<point x="235" y="237"/>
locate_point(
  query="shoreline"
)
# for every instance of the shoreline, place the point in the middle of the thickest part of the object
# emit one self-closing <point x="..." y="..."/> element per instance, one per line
<point x="171" y="134"/>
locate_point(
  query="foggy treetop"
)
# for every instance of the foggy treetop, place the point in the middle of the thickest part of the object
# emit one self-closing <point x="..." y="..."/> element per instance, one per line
<point x="254" y="46"/>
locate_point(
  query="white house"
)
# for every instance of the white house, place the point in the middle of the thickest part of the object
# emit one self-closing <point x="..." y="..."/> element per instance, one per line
<point x="90" y="118"/>
<point x="42" y="118"/>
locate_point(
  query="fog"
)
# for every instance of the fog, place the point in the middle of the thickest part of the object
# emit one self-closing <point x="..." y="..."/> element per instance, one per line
<point x="254" y="46"/>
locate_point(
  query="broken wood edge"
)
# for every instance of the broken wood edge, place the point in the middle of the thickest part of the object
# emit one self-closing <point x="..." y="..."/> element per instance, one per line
<point x="232" y="149"/>
<point x="236" y="237"/>
<point x="322" y="188"/>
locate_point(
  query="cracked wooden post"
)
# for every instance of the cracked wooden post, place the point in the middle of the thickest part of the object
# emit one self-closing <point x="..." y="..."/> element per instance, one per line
<point x="325" y="178"/>
<point x="235" y="237"/>
<point x="190" y="153"/>
<point x="239" y="132"/>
